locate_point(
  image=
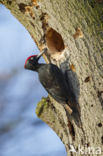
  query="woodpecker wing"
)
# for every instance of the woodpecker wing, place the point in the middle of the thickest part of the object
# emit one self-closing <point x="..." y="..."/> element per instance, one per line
<point x="53" y="81"/>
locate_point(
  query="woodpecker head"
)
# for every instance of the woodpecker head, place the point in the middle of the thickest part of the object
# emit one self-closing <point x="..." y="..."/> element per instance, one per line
<point x="32" y="61"/>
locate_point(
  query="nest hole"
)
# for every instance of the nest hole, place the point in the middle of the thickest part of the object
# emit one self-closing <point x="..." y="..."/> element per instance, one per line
<point x="54" y="41"/>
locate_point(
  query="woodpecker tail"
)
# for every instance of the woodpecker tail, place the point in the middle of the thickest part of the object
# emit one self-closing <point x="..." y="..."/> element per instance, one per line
<point x="73" y="113"/>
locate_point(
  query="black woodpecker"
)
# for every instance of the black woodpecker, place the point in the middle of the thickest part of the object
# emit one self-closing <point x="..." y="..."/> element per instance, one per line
<point x="53" y="80"/>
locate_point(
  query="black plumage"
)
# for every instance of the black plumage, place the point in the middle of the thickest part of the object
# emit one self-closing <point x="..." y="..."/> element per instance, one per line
<point x="53" y="80"/>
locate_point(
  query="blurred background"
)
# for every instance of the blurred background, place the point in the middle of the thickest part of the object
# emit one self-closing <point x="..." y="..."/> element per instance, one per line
<point x="21" y="132"/>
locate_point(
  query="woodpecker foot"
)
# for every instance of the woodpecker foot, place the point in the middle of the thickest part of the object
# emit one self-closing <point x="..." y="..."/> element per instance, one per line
<point x="73" y="114"/>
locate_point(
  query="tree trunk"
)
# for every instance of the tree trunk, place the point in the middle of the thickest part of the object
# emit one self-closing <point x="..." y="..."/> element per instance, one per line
<point x="71" y="30"/>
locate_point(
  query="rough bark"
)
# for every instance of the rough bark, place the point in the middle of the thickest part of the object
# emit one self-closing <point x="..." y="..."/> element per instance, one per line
<point x="82" y="54"/>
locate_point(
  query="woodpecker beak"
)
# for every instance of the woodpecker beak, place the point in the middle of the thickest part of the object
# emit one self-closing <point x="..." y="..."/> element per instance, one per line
<point x="40" y="54"/>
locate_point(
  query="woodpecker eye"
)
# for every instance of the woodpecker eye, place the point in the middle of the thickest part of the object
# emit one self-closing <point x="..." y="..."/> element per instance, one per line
<point x="31" y="58"/>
